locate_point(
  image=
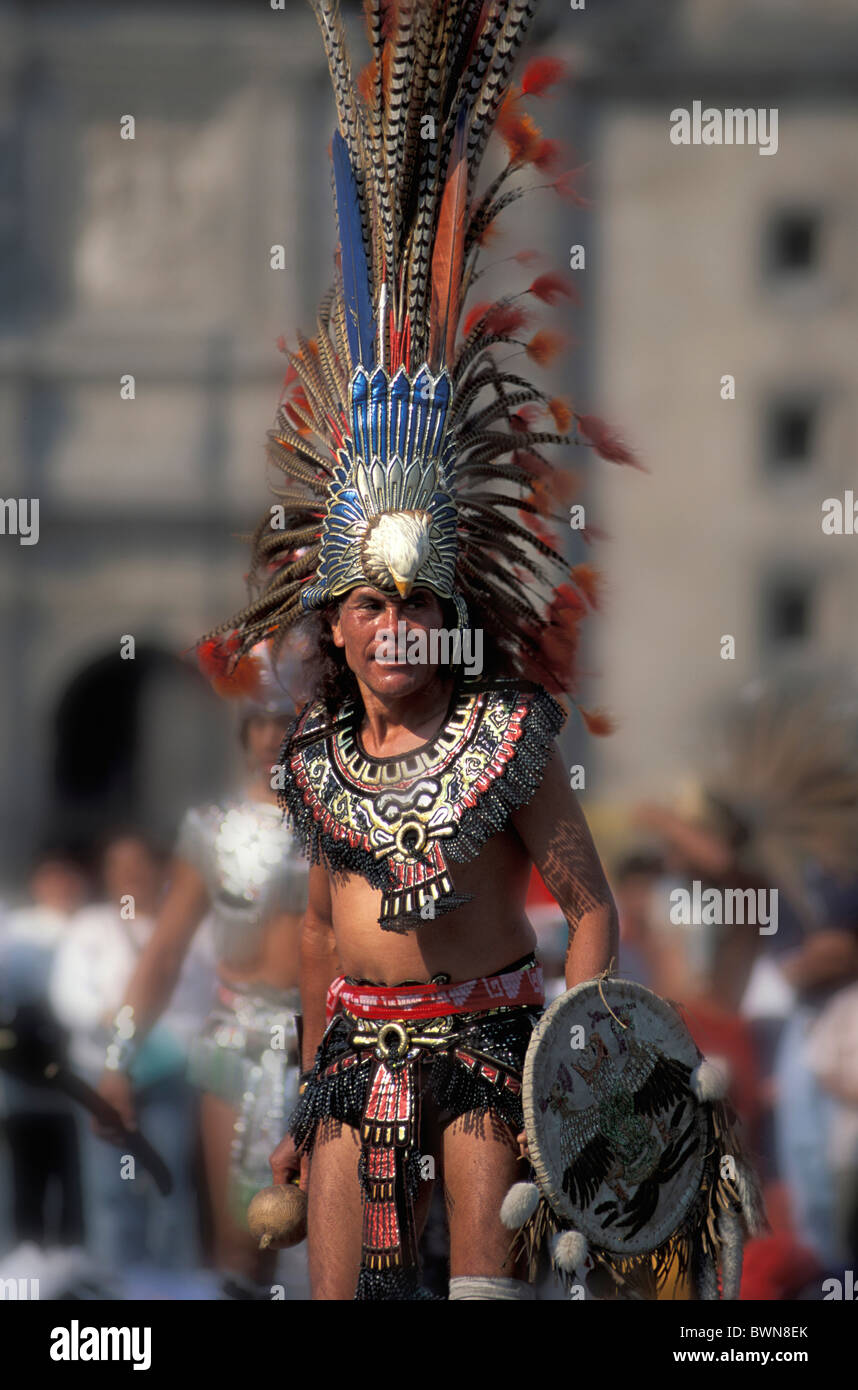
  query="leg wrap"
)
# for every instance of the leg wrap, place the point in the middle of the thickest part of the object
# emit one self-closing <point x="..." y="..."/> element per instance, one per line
<point x="483" y="1286"/>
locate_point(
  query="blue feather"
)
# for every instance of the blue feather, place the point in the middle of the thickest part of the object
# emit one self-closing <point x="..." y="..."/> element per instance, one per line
<point x="360" y="323"/>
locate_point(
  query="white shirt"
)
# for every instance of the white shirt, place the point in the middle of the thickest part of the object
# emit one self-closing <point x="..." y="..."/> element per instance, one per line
<point x="93" y="967"/>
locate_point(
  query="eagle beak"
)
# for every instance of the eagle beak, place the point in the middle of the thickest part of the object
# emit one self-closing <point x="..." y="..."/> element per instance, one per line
<point x="404" y="586"/>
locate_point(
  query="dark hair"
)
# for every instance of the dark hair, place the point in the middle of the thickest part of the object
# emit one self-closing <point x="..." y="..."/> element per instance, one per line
<point x="153" y="846"/>
<point x="636" y="864"/>
<point x="249" y="713"/>
<point x="57" y="852"/>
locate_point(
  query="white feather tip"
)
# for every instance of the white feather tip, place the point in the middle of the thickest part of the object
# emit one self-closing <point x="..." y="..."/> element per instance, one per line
<point x="709" y="1080"/>
<point x="569" y="1250"/>
<point x="519" y="1204"/>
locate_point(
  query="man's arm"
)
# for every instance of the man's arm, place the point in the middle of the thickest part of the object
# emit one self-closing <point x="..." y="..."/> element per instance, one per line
<point x="161" y="960"/>
<point x="157" y="974"/>
<point x="555" y="834"/>
<point x="319" y="962"/>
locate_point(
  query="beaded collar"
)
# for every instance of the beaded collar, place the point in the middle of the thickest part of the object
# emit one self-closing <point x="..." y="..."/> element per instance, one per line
<point x="399" y="821"/>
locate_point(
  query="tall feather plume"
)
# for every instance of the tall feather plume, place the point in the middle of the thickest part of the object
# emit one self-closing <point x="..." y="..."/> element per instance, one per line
<point x="419" y="241"/>
<point x="409" y="171"/>
<point x="449" y="253"/>
<point x="396" y="105"/>
<point x="379" y="191"/>
<point x="357" y="292"/>
<point x="509" y="41"/>
<point x="345" y="96"/>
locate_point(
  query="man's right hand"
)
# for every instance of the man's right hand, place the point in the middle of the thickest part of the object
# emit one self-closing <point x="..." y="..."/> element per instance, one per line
<point x="287" y="1164"/>
<point x="117" y="1090"/>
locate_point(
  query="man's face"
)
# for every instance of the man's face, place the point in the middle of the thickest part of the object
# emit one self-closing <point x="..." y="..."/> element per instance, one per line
<point x="58" y="885"/>
<point x="129" y="867"/>
<point x="263" y="736"/>
<point x="366" y="616"/>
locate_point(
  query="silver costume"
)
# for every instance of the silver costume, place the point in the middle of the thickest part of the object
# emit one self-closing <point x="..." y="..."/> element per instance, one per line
<point x="247" y="1053"/>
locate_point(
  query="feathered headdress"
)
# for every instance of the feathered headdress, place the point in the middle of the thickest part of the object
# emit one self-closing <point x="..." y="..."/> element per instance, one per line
<point x="411" y="454"/>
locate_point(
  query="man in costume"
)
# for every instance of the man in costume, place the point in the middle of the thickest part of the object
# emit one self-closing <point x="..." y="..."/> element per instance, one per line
<point x="422" y="796"/>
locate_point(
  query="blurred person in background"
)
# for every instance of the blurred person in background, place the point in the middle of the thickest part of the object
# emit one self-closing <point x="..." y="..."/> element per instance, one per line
<point x="701" y="966"/>
<point x="39" y="1124"/>
<point x="833" y="1055"/>
<point x="128" y="1222"/>
<point x="551" y="930"/>
<point x="815" y="1076"/>
<point x="634" y="881"/>
<point x="780" y="811"/>
<point x="238" y="862"/>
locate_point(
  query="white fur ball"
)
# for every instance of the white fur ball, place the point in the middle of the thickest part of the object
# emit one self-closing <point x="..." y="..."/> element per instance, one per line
<point x="569" y="1250"/>
<point x="709" y="1079"/>
<point x="519" y="1204"/>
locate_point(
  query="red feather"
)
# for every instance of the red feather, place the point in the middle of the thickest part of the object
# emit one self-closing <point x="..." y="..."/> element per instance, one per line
<point x="553" y="489"/>
<point x="541" y="74"/>
<point x="504" y="319"/>
<point x="531" y="463"/>
<point x="561" y="413"/>
<point x="565" y="600"/>
<point x="389" y="10"/>
<point x="559" y="639"/>
<point x="523" y="418"/>
<point x="589" y="581"/>
<point x="606" y="441"/>
<point x="550" y="286"/>
<point x="474" y="317"/>
<point x="449" y="253"/>
<point x="230" y="675"/>
<point x="386" y="61"/>
<point x="527" y="257"/>
<point x="540" y="496"/>
<point x="366" y="82"/>
<point x="597" y="722"/>
<point x="547" y="156"/>
<point x="564" y="486"/>
<point x="544" y="346"/>
<point x="565" y="186"/>
<point x="520" y="134"/>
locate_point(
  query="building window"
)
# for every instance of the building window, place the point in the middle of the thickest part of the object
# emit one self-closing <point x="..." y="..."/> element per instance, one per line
<point x="791" y="429"/>
<point x="787" y="611"/>
<point x="792" y="244"/>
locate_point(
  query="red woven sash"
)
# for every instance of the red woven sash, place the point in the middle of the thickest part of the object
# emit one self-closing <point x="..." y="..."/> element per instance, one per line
<point x="513" y="988"/>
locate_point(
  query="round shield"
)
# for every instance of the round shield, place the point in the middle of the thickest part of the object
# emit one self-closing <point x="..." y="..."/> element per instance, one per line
<point x="616" y="1136"/>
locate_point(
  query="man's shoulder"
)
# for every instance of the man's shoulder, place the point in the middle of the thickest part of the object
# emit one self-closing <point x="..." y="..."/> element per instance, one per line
<point x="516" y="696"/>
<point x="314" y="715"/>
<point x="313" y="723"/>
